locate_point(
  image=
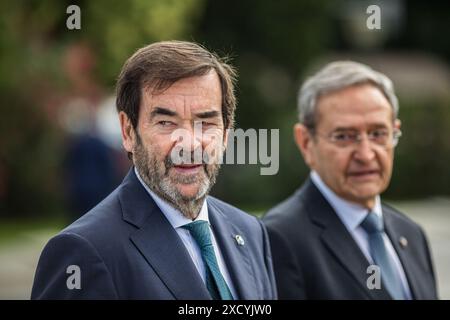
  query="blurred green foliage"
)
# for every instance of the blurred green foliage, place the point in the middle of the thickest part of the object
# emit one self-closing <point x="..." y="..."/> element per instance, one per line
<point x="29" y="159"/>
<point x="273" y="45"/>
<point x="118" y="28"/>
<point x="423" y="154"/>
<point x="33" y="36"/>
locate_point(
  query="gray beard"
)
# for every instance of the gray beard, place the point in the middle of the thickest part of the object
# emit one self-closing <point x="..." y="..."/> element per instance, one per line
<point x="158" y="179"/>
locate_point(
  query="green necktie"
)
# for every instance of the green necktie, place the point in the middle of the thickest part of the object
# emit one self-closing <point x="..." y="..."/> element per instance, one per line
<point x="215" y="282"/>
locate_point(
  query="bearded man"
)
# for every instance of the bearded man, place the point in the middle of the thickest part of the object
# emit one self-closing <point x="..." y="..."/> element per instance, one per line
<point x="159" y="235"/>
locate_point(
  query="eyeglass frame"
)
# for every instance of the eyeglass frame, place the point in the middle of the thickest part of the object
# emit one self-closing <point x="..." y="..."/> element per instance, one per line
<point x="396" y="134"/>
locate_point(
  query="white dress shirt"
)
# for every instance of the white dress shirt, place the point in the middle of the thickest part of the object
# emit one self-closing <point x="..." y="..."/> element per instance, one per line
<point x="352" y="214"/>
<point x="178" y="220"/>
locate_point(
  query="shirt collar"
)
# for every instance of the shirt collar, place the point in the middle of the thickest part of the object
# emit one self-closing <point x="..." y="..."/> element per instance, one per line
<point x="173" y="215"/>
<point x="350" y="213"/>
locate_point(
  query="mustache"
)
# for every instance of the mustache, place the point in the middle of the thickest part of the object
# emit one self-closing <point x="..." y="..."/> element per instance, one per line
<point x="196" y="156"/>
<point x="189" y="158"/>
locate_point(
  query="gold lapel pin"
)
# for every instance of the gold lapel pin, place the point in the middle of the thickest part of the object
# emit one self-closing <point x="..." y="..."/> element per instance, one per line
<point x="240" y="241"/>
<point x="403" y="242"/>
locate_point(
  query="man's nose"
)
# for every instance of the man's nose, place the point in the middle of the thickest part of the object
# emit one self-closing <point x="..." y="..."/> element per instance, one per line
<point x="190" y="139"/>
<point x="364" y="150"/>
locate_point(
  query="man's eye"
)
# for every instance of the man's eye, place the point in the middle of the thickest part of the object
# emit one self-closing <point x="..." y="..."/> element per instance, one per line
<point x="165" y="123"/>
<point x="208" y="124"/>
<point x="378" y="134"/>
<point x="343" y="136"/>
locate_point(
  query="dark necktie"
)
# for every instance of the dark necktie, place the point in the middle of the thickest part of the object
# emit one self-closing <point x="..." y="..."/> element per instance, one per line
<point x="215" y="282"/>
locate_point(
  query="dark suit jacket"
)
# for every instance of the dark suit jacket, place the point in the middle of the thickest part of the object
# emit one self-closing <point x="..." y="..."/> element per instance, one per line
<point x="126" y="249"/>
<point x="315" y="257"/>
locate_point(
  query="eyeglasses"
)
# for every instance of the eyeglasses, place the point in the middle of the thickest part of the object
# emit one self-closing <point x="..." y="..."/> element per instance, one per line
<point x="381" y="137"/>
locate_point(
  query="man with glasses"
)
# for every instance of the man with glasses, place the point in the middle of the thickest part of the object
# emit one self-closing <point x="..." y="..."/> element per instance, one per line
<point x="333" y="238"/>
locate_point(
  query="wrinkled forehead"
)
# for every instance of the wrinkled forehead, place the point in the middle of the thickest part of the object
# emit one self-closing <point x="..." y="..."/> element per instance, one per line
<point x="185" y="96"/>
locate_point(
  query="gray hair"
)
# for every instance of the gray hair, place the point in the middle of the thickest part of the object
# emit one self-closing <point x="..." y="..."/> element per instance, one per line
<point x="336" y="76"/>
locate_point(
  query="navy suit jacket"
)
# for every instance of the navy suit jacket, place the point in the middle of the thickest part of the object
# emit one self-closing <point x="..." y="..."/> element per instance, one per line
<point x="315" y="257"/>
<point x="126" y="249"/>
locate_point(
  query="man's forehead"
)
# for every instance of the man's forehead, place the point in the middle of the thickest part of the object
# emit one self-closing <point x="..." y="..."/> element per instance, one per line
<point x="180" y="106"/>
<point x="207" y="85"/>
<point x="354" y="104"/>
<point x="370" y="118"/>
<point x="177" y="100"/>
<point x="181" y="91"/>
<point x="168" y="94"/>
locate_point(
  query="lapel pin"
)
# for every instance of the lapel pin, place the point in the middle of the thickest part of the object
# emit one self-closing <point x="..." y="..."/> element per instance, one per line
<point x="240" y="241"/>
<point x="403" y="242"/>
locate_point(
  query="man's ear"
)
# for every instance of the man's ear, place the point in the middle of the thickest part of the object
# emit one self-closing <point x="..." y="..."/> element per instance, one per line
<point x="303" y="139"/>
<point x="397" y="124"/>
<point x="128" y="134"/>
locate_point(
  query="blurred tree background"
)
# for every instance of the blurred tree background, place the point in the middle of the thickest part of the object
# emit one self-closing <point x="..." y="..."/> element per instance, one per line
<point x="274" y="45"/>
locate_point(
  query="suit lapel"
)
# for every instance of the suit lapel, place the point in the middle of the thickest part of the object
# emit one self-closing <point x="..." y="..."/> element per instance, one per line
<point x="236" y="256"/>
<point x="410" y="265"/>
<point x="339" y="241"/>
<point x="159" y="243"/>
